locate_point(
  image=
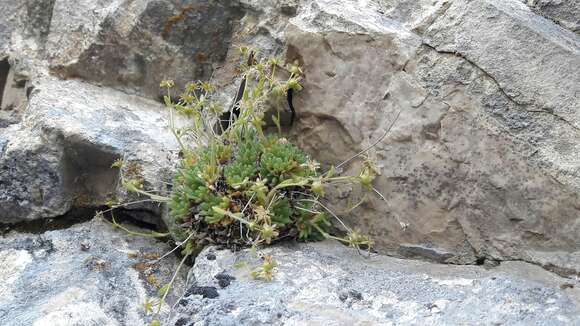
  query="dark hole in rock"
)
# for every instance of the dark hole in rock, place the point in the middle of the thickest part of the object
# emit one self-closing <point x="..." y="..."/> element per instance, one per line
<point x="181" y="322"/>
<point x="210" y="256"/>
<point x="39" y="226"/>
<point x="4" y="71"/>
<point x="289" y="9"/>
<point x="208" y="292"/>
<point x="88" y="175"/>
<point x="353" y="294"/>
<point x="135" y="218"/>
<point x="424" y="252"/>
<point x="224" y="280"/>
<point x="90" y="181"/>
<point x="566" y="286"/>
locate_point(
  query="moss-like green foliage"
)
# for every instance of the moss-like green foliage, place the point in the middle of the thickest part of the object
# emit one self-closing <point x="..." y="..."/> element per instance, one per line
<point x="282" y="160"/>
<point x="255" y="168"/>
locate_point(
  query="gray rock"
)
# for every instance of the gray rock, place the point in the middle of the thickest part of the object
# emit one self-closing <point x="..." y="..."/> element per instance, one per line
<point x="31" y="183"/>
<point x="528" y="105"/>
<point x="8" y="13"/>
<point x="482" y="161"/>
<point x="12" y="94"/>
<point x="60" y="156"/>
<point x="563" y="12"/>
<point x="412" y="14"/>
<point x="133" y="45"/>
<point x="88" y="274"/>
<point x="126" y="45"/>
<point x="329" y="284"/>
<point x="482" y="32"/>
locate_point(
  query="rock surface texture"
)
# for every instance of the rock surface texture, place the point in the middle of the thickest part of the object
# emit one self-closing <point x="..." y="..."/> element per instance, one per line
<point x="562" y="12"/>
<point x="60" y="155"/>
<point x="482" y="163"/>
<point x="89" y="274"/>
<point x="329" y="284"/>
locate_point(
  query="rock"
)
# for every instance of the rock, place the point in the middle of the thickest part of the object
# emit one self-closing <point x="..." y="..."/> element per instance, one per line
<point x="24" y="27"/>
<point x="13" y="97"/>
<point x="60" y="156"/>
<point x="31" y="181"/>
<point x="126" y="45"/>
<point x="562" y="12"/>
<point x="412" y="14"/>
<point x="482" y="160"/>
<point x="528" y="106"/>
<point x="133" y="45"/>
<point x="13" y="93"/>
<point x="327" y="283"/>
<point x="481" y="163"/>
<point x="8" y="13"/>
<point x="532" y="80"/>
<point x="48" y="279"/>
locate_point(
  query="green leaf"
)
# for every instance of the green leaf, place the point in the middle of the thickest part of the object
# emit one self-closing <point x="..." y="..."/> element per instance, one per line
<point x="167" y="100"/>
<point x="281" y="212"/>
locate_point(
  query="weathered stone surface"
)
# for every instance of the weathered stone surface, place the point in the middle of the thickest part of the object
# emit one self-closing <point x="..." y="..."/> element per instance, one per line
<point x="482" y="162"/>
<point x="12" y="94"/>
<point x="563" y="12"/>
<point x="528" y="105"/>
<point x="133" y="45"/>
<point x="413" y="14"/>
<point x="127" y="45"/>
<point x="24" y="26"/>
<point x="30" y="177"/>
<point x="8" y="10"/>
<point x="482" y="32"/>
<point x="464" y="141"/>
<point x="329" y="284"/>
<point x="89" y="274"/>
<point x="60" y="156"/>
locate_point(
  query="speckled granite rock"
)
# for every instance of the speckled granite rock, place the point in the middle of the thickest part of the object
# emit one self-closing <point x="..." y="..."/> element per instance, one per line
<point x="89" y="274"/>
<point x="329" y="284"/>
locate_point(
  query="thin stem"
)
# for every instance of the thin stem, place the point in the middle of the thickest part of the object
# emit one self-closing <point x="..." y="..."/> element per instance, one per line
<point x="170" y="284"/>
<point x="373" y="144"/>
<point x="243" y="210"/>
<point x="306" y="210"/>
<point x="401" y="223"/>
<point x="154" y="197"/>
<point x="173" y="250"/>
<point x="152" y="234"/>
<point x="127" y="204"/>
<point x="174" y="131"/>
<point x="331" y="213"/>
